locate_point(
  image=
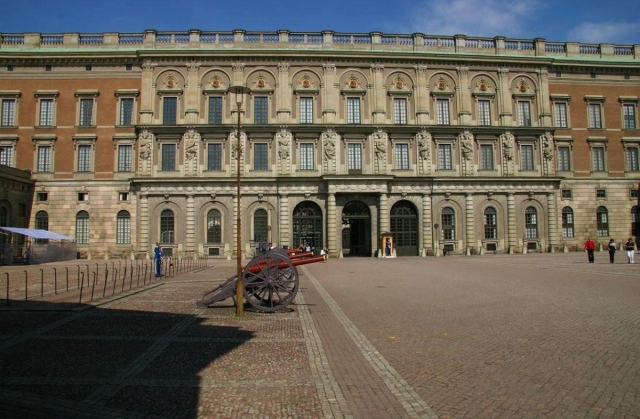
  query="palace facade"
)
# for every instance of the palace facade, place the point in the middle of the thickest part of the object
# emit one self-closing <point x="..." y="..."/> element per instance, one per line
<point x="447" y="143"/>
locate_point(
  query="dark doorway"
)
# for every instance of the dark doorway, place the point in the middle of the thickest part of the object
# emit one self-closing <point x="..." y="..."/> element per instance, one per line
<point x="307" y="225"/>
<point x="404" y="228"/>
<point x="356" y="229"/>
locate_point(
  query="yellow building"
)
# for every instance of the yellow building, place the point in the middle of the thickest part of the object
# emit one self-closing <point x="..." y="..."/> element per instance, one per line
<point x="459" y="143"/>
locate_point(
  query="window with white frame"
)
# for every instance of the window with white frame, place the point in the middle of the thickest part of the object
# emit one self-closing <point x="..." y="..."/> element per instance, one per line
<point x="126" y="111"/>
<point x="602" y="222"/>
<point x="354" y="156"/>
<point x="448" y="223"/>
<point x="167" y="227"/>
<point x="7" y="149"/>
<point x="597" y="159"/>
<point x="125" y="157"/>
<point x="490" y="220"/>
<point x="560" y="115"/>
<point x="8" y="112"/>
<point x="484" y="112"/>
<point x="214" y="156"/>
<point x="86" y="107"/>
<point x="84" y="152"/>
<point x="215" y="110"/>
<point x="527" y="157"/>
<point x="594" y="111"/>
<point x="169" y="110"/>
<point x="260" y="156"/>
<point x="632" y="158"/>
<point x="261" y="110"/>
<point x="168" y="156"/>
<point x="306" y="110"/>
<point x="629" y="112"/>
<point x="214" y="226"/>
<point x="82" y="227"/>
<point x="353" y="110"/>
<point x="400" y="111"/>
<point x="47" y="100"/>
<point x="442" y="112"/>
<point x="567" y="222"/>
<point x="402" y="156"/>
<point x="307" y="161"/>
<point x="531" y="223"/>
<point x="486" y="157"/>
<point x="44" y="158"/>
<point x="524" y="113"/>
<point x="123" y="227"/>
<point x="564" y="158"/>
<point x="445" y="161"/>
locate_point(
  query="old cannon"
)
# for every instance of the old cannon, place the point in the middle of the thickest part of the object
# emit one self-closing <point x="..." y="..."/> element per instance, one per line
<point x="270" y="280"/>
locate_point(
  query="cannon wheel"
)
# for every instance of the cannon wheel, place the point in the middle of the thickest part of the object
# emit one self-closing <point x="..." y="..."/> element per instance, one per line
<point x="270" y="281"/>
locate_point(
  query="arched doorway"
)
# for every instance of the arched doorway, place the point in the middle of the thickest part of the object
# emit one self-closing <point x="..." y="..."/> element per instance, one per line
<point x="356" y="229"/>
<point x="307" y="225"/>
<point x="404" y="228"/>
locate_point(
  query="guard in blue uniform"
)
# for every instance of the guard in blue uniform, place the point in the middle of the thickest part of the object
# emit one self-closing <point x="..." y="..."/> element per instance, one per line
<point x="157" y="256"/>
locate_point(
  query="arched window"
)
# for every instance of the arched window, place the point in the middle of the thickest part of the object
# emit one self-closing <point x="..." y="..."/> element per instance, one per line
<point x="531" y="223"/>
<point x="448" y="224"/>
<point x="123" y="227"/>
<point x="567" y="222"/>
<point x="635" y="221"/>
<point x="167" y="227"/>
<point x="602" y="221"/>
<point x="260" y="223"/>
<point x="307" y="225"/>
<point x="490" y="223"/>
<point x="214" y="226"/>
<point x="42" y="220"/>
<point x="82" y="227"/>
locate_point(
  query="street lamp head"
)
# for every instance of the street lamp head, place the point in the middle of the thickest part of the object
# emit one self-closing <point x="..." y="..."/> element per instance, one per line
<point x="239" y="91"/>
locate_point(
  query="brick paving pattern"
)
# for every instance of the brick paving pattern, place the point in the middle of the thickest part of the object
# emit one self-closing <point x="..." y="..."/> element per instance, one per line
<point x="493" y="336"/>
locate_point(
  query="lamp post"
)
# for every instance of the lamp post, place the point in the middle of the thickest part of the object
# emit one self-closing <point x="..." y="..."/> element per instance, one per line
<point x="239" y="92"/>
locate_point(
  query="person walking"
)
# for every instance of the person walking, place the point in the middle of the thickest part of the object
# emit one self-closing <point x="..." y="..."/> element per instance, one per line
<point x="612" y="250"/>
<point x="630" y="247"/>
<point x="590" y="246"/>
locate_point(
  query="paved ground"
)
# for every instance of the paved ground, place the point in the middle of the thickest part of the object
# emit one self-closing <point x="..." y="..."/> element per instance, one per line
<point x="494" y="336"/>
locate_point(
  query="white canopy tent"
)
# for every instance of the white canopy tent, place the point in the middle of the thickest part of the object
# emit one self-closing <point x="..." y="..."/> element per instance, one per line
<point x="37" y="234"/>
<point x="48" y="247"/>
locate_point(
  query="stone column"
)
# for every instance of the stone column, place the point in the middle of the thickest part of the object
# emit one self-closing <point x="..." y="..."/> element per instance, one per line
<point x="511" y="221"/>
<point x="147" y="96"/>
<point x="464" y="110"/>
<point x="379" y="94"/>
<point x="384" y="219"/>
<point x="284" y="94"/>
<point x="505" y="110"/>
<point x="330" y="99"/>
<point x="422" y="95"/>
<point x="544" y="100"/>
<point x="284" y="237"/>
<point x="552" y="220"/>
<point x="189" y="228"/>
<point x="426" y="224"/>
<point x="192" y="93"/>
<point x="469" y="224"/>
<point x="143" y="225"/>
<point x="332" y="240"/>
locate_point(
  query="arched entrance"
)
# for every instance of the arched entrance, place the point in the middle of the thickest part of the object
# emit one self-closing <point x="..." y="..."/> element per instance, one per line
<point x="404" y="228"/>
<point x="356" y="229"/>
<point x="307" y="225"/>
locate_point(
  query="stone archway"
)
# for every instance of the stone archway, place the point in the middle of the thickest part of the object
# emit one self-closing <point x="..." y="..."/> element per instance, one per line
<point x="307" y="225"/>
<point x="356" y="229"/>
<point x="404" y="228"/>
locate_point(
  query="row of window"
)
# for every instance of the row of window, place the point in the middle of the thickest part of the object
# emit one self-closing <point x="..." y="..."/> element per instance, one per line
<point x="126" y="108"/>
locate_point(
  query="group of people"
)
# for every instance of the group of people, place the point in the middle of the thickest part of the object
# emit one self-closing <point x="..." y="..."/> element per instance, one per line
<point x="305" y="247"/>
<point x="629" y="246"/>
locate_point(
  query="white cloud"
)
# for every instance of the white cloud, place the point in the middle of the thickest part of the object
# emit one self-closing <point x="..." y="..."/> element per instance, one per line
<point x="488" y="18"/>
<point x="604" y="32"/>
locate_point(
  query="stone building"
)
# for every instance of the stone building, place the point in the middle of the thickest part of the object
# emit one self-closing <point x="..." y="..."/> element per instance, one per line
<point x="458" y="143"/>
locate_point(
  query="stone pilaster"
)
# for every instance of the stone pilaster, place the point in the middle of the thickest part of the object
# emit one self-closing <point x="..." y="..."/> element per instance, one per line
<point x="505" y="109"/>
<point x="284" y="94"/>
<point x="330" y="93"/>
<point x="147" y="95"/>
<point x="511" y="221"/>
<point x="379" y="94"/>
<point x="332" y="240"/>
<point x="189" y="228"/>
<point x="145" y="153"/>
<point x="284" y="144"/>
<point x="544" y="101"/>
<point x="238" y="74"/>
<point x="426" y="224"/>
<point x="330" y="150"/>
<point x="384" y="213"/>
<point x="469" y="224"/>
<point x="191" y="141"/>
<point x="192" y="93"/>
<point x="464" y="95"/>
<point x="422" y="95"/>
<point x="285" y="238"/>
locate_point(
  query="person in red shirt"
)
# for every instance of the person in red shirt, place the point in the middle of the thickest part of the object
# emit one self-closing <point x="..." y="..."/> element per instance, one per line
<point x="590" y="246"/>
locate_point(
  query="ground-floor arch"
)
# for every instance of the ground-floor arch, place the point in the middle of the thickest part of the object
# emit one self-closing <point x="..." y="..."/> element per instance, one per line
<point x="356" y="229"/>
<point x="404" y="228"/>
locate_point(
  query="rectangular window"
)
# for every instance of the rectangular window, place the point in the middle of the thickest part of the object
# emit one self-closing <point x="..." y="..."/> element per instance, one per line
<point x="355" y="156"/>
<point x="84" y="158"/>
<point x="353" y="110"/>
<point x="261" y="110"/>
<point x="567" y="224"/>
<point x="82" y="230"/>
<point x="169" y="110"/>
<point x="597" y="159"/>
<point x="261" y="156"/>
<point x="6" y="155"/>
<point x="46" y="113"/>
<point x="306" y="110"/>
<point x="595" y="116"/>
<point x="601" y="193"/>
<point x="126" y="111"/>
<point x="8" y="112"/>
<point x="214" y="157"/>
<point x="306" y="157"/>
<point x="442" y="111"/>
<point x="629" y="111"/>
<point x="564" y="159"/>
<point x="400" y="111"/>
<point x="448" y="225"/>
<point x="526" y="157"/>
<point x="168" y="157"/>
<point x="402" y="156"/>
<point x="560" y="113"/>
<point x="86" y="112"/>
<point x="524" y="113"/>
<point x="566" y="194"/>
<point x="632" y="159"/>
<point x="444" y="157"/>
<point x="490" y="225"/>
<point x="486" y="157"/>
<point x="215" y="110"/>
<point x="484" y="112"/>
<point x="123" y="196"/>
<point x="44" y="159"/>
<point x="83" y="196"/>
<point x="125" y="158"/>
<point x="123" y="230"/>
<point x="42" y="196"/>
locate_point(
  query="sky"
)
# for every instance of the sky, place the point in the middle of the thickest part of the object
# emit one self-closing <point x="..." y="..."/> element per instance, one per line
<point x="585" y="21"/>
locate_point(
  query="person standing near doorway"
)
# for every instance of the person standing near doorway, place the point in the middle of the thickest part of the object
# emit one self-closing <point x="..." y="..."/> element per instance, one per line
<point x="612" y="250"/>
<point x="157" y="258"/>
<point x="590" y="246"/>
<point x="630" y="247"/>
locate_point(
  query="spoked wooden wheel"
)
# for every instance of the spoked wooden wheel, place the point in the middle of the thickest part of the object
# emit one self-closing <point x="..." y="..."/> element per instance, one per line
<point x="270" y="281"/>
